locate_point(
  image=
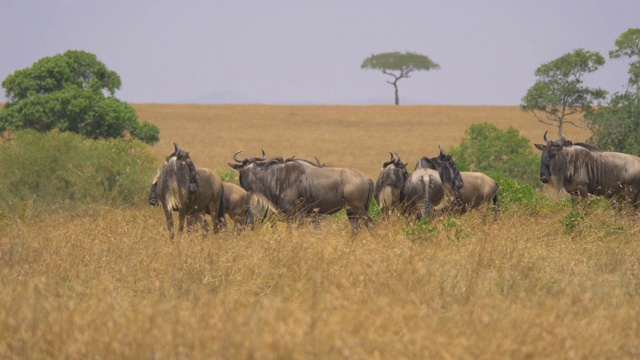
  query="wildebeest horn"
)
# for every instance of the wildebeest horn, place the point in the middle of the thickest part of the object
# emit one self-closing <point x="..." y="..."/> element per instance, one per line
<point x="235" y="158"/>
<point x="264" y="157"/>
<point x="177" y="147"/>
<point x="390" y="153"/>
<point x="442" y="152"/>
<point x="545" y="137"/>
<point x="318" y="162"/>
<point x="398" y="160"/>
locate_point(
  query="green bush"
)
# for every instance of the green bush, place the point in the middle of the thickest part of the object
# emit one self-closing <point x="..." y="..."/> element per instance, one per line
<point x="496" y="152"/>
<point x="68" y="92"/>
<point x="515" y="193"/>
<point x="64" y="170"/>
<point x="229" y="175"/>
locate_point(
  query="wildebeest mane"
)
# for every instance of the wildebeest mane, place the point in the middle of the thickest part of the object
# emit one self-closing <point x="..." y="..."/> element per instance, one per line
<point x="588" y="147"/>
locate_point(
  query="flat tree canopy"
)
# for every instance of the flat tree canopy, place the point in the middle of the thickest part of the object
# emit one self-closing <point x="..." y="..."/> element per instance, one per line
<point x="72" y="92"/>
<point x="399" y="65"/>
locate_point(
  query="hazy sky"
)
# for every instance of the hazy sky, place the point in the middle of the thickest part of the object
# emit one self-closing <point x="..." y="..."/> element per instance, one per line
<point x="304" y="51"/>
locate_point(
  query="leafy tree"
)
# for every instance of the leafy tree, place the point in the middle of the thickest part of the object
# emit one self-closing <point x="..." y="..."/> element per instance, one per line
<point x="559" y="91"/>
<point x="628" y="45"/>
<point x="398" y="66"/>
<point x="72" y="92"/>
<point x="616" y="127"/>
<point x="497" y="153"/>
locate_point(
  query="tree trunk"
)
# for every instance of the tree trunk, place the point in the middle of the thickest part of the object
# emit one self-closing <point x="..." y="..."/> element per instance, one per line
<point x="395" y="86"/>
<point x="560" y="134"/>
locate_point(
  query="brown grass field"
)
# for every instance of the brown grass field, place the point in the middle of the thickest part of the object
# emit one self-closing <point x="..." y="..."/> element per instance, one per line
<point x="108" y="283"/>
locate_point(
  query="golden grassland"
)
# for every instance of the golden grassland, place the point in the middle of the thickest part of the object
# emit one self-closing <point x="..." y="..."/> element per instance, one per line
<point x="347" y="136"/>
<point x="108" y="283"/>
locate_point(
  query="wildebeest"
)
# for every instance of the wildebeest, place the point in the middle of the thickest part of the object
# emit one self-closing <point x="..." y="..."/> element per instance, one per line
<point x="299" y="187"/>
<point x="236" y="204"/>
<point x="582" y="169"/>
<point x="389" y="185"/>
<point x="235" y="199"/>
<point x="176" y="191"/>
<point x="417" y="193"/>
<point x="478" y="189"/>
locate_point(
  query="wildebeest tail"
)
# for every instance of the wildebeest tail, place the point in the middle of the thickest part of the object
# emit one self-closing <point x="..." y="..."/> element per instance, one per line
<point x="496" y="202"/>
<point x="221" y="207"/>
<point x="371" y="189"/>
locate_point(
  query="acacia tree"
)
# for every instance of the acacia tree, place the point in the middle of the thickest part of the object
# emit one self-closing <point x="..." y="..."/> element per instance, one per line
<point x="72" y="92"/>
<point x="616" y="127"/>
<point x="399" y="66"/>
<point x="628" y="46"/>
<point x="559" y="90"/>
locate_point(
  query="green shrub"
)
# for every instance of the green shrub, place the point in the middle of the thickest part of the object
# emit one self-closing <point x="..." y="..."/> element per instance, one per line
<point x="421" y="231"/>
<point x="515" y="193"/>
<point x="374" y="209"/>
<point x="66" y="170"/>
<point x="496" y="152"/>
<point x="229" y="175"/>
<point x="572" y="221"/>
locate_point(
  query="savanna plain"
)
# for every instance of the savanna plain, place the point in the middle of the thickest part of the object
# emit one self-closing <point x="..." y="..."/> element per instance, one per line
<point x="109" y="283"/>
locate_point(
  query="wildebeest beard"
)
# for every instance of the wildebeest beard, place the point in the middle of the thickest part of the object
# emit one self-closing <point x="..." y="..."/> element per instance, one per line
<point x="174" y="183"/>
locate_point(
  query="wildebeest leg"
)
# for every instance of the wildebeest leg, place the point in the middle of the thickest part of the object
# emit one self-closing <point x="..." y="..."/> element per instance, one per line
<point x="496" y="206"/>
<point x="198" y="219"/>
<point x="316" y="218"/>
<point x="635" y="201"/>
<point x="616" y="204"/>
<point x="355" y="223"/>
<point x="215" y="219"/>
<point x="182" y="215"/>
<point x="584" y="197"/>
<point x="368" y="221"/>
<point x="204" y="224"/>
<point x="169" y="216"/>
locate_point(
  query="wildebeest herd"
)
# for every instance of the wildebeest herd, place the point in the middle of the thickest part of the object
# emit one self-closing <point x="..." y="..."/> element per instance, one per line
<point x="299" y="189"/>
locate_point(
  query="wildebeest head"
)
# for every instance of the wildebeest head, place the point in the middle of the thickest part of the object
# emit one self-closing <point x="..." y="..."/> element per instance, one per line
<point x="550" y="151"/>
<point x="243" y="166"/>
<point x="175" y="178"/>
<point x="446" y="167"/>
<point x="449" y="171"/>
<point x="391" y="180"/>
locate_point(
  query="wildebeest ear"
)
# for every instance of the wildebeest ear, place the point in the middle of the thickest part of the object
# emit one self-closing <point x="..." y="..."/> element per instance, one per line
<point x="540" y="146"/>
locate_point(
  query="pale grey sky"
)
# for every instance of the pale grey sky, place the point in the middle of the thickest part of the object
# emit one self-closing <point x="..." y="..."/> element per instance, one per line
<point x="309" y="52"/>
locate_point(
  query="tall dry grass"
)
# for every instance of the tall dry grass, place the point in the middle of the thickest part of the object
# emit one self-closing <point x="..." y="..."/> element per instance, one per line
<point x="108" y="283"/>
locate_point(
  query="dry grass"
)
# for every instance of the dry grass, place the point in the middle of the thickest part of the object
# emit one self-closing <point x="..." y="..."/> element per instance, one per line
<point x="346" y="136"/>
<point x="110" y="284"/>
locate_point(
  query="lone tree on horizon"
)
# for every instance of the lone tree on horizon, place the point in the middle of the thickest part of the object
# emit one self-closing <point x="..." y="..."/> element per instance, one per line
<point x="399" y="65"/>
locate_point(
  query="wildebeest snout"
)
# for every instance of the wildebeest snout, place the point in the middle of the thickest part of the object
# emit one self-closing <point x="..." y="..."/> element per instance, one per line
<point x="544" y="177"/>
